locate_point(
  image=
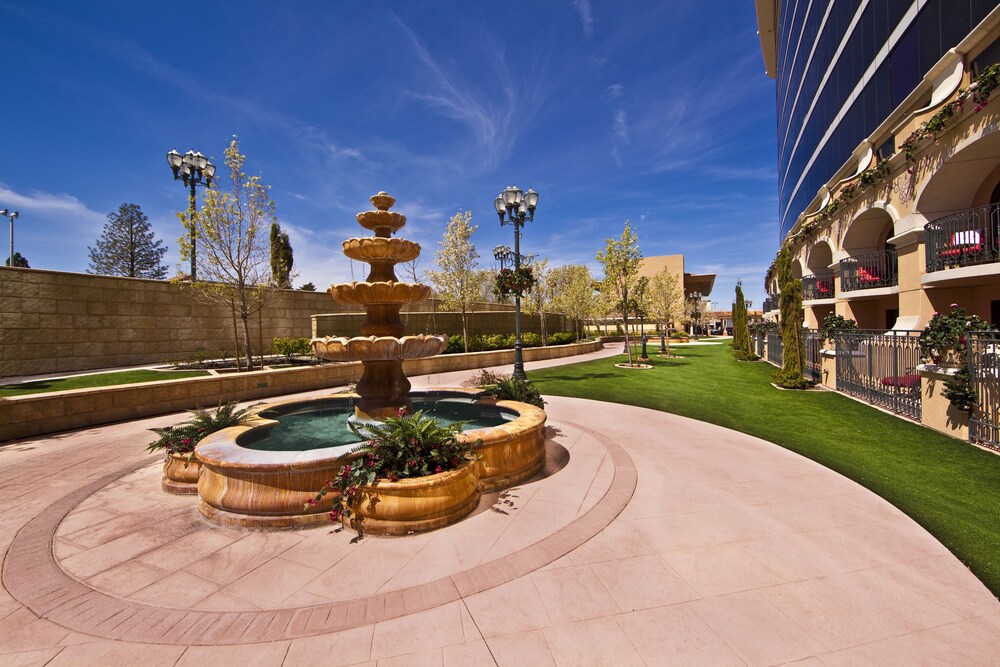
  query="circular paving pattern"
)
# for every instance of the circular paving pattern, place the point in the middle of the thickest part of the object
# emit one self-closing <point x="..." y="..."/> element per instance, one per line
<point x="33" y="575"/>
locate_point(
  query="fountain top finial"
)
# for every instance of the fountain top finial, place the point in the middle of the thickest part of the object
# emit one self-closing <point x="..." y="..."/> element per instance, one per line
<point x="382" y="201"/>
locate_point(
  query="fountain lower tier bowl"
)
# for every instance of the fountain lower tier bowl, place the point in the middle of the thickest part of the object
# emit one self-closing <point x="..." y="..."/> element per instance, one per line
<point x="262" y="475"/>
<point x="378" y="348"/>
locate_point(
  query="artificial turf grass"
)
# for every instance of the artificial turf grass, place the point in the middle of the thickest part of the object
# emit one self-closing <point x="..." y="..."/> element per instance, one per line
<point x="95" y="380"/>
<point x="948" y="486"/>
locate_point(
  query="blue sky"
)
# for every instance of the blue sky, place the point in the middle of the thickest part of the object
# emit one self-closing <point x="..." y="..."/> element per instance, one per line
<point x="659" y="113"/>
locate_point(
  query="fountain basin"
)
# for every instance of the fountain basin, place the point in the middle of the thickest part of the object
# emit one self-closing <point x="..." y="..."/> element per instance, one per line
<point x="245" y="484"/>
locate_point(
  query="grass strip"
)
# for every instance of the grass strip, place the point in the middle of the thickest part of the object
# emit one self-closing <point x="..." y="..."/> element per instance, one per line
<point x="95" y="380"/>
<point x="948" y="486"/>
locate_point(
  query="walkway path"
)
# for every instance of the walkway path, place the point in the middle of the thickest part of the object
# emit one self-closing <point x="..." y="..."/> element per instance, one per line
<point x="649" y="538"/>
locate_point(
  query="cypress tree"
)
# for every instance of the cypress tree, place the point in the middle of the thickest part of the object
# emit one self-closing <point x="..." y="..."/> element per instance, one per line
<point x="789" y="375"/>
<point x="281" y="257"/>
<point x="741" y="330"/>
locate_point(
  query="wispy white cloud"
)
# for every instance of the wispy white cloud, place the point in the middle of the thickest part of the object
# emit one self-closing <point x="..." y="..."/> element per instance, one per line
<point x="586" y="16"/>
<point x="619" y="126"/>
<point x="48" y="204"/>
<point x="614" y="91"/>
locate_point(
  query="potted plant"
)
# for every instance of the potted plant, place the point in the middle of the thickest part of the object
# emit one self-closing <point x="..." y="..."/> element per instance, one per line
<point x="510" y="388"/>
<point x="182" y="467"/>
<point x="944" y="341"/>
<point x="412" y="475"/>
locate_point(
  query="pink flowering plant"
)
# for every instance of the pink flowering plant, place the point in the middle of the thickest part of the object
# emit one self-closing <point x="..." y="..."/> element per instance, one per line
<point x="184" y="437"/>
<point x="400" y="447"/>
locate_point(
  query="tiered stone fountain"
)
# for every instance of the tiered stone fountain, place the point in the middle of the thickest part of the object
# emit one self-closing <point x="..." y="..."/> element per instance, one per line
<point x="262" y="475"/>
<point x="381" y="348"/>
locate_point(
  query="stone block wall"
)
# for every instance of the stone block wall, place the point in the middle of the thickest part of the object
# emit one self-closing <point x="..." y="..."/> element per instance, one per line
<point x="481" y="322"/>
<point x="54" y="322"/>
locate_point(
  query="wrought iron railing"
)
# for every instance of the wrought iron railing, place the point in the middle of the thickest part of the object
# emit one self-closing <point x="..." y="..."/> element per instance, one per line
<point x="812" y="359"/>
<point x="963" y="239"/>
<point x="868" y="271"/>
<point x="774" y="347"/>
<point x="984" y="375"/>
<point x="819" y="286"/>
<point x="771" y="303"/>
<point x="881" y="368"/>
<point x="759" y="341"/>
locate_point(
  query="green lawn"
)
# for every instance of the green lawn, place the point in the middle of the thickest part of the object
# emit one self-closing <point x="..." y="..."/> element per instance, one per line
<point x="948" y="486"/>
<point x="95" y="380"/>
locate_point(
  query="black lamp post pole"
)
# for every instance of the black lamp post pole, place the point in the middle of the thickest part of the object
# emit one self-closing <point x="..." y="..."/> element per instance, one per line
<point x="515" y="208"/>
<point x="193" y="169"/>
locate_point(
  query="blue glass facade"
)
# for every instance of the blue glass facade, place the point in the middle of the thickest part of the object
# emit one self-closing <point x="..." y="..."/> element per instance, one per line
<point x="806" y="56"/>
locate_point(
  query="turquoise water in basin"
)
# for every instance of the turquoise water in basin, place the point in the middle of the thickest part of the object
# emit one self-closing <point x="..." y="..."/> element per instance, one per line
<point x="323" y="423"/>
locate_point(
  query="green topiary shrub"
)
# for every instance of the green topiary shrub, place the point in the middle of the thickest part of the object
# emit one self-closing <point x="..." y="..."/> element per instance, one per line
<point x="292" y="346"/>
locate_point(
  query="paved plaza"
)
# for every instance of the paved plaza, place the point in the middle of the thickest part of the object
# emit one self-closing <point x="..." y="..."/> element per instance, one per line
<point x="648" y="539"/>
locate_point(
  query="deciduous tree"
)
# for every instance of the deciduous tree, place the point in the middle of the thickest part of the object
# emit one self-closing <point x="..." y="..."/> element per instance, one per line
<point x="539" y="300"/>
<point x="458" y="280"/>
<point x="127" y="247"/>
<point x="573" y="292"/>
<point x="234" y="254"/>
<point x="666" y="302"/>
<point x="620" y="259"/>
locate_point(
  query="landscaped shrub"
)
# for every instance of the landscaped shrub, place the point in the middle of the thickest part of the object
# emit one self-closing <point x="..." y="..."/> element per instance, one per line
<point x="510" y="388"/>
<point x="677" y="333"/>
<point x="562" y="338"/>
<point x="292" y="346"/>
<point x="456" y="344"/>
<point x="834" y="324"/>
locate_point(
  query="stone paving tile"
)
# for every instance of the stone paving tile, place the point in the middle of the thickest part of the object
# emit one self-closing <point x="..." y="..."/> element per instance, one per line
<point x="721" y="569"/>
<point x="756" y="630"/>
<point x="23" y="631"/>
<point x="180" y="590"/>
<point x="628" y="581"/>
<point x="127" y="578"/>
<point x="469" y="654"/>
<point x="510" y="608"/>
<point x="573" y="594"/>
<point x="523" y="649"/>
<point x="246" y="655"/>
<point x="273" y="582"/>
<point x="676" y="635"/>
<point x="434" y="628"/>
<point x="117" y="653"/>
<point x="243" y="556"/>
<point x="190" y="548"/>
<point x="597" y="642"/>
<point x="30" y="658"/>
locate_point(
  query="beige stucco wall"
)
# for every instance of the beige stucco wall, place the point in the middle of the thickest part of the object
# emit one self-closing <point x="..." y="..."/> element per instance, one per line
<point x="52" y="321"/>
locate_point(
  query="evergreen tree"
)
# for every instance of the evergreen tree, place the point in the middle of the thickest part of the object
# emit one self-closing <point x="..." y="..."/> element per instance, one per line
<point x="741" y="329"/>
<point x="281" y="257"/>
<point x="127" y="247"/>
<point x="789" y="375"/>
<point x="19" y="261"/>
<point x="307" y="287"/>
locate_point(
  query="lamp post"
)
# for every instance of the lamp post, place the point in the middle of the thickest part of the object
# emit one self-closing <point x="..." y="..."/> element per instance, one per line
<point x="516" y="208"/>
<point x="696" y="298"/>
<point x="194" y="169"/>
<point x="13" y="216"/>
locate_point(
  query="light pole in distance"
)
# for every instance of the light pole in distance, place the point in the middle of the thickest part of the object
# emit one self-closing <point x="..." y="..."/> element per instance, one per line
<point x="13" y="215"/>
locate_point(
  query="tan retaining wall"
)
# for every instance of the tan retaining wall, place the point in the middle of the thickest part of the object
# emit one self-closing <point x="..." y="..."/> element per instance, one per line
<point x="37" y="414"/>
<point x="481" y="322"/>
<point x="55" y="322"/>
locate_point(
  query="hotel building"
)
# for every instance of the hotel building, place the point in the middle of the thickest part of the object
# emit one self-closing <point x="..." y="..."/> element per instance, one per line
<point x="888" y="156"/>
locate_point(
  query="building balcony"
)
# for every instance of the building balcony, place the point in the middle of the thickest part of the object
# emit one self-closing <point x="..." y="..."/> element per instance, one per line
<point x="869" y="271"/>
<point x="817" y="287"/>
<point x="771" y="303"/>
<point x="963" y="239"/>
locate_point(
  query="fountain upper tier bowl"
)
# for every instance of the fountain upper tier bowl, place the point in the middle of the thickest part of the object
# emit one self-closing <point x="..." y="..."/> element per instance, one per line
<point x="374" y="248"/>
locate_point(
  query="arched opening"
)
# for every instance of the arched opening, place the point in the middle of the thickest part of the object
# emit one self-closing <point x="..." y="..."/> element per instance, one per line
<point x="818" y="281"/>
<point x="869" y="274"/>
<point x="962" y="240"/>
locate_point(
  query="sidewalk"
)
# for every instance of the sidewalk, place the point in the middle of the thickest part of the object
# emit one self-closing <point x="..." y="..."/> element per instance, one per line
<point x="649" y="539"/>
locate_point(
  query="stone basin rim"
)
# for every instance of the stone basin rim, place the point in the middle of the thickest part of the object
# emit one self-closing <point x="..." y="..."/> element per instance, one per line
<point x="220" y="449"/>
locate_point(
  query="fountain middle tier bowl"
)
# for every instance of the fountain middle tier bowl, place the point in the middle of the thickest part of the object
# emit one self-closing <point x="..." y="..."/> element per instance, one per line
<point x="378" y="348"/>
<point x="373" y="248"/>
<point x="262" y="475"/>
<point x="364" y="293"/>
